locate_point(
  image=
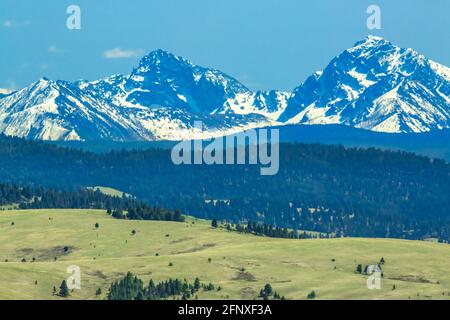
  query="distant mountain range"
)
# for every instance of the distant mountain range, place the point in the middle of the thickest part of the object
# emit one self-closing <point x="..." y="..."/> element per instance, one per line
<point x="374" y="85"/>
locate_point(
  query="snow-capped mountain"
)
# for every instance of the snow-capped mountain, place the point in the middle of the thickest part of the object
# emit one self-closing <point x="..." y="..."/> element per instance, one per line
<point x="4" y="92"/>
<point x="377" y="86"/>
<point x="160" y="99"/>
<point x="373" y="85"/>
<point x="270" y="104"/>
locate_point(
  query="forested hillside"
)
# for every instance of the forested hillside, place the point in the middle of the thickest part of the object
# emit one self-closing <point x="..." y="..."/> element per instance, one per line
<point x="350" y="192"/>
<point x="13" y="196"/>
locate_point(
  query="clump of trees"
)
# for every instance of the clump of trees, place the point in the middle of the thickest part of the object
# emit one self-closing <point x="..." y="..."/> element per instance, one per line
<point x="267" y="292"/>
<point x="124" y="207"/>
<point x="139" y="211"/>
<point x="263" y="229"/>
<point x="133" y="288"/>
<point x="359" y="268"/>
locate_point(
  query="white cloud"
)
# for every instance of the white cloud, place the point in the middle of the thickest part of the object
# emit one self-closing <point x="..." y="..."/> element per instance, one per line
<point x="11" y="85"/>
<point x="52" y="49"/>
<point x="14" y="24"/>
<point x="119" y="53"/>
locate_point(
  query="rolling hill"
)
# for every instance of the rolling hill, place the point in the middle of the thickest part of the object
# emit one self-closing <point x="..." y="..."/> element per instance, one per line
<point x="240" y="263"/>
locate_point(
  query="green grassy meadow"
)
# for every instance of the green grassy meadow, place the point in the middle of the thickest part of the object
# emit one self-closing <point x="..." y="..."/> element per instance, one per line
<point x="240" y="263"/>
<point x="109" y="191"/>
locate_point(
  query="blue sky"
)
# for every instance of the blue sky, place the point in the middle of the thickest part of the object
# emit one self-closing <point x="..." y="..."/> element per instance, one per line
<point x="266" y="44"/>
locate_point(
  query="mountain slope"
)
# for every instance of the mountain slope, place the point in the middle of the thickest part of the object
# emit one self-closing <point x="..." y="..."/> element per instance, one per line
<point x="377" y="86"/>
<point x="161" y="99"/>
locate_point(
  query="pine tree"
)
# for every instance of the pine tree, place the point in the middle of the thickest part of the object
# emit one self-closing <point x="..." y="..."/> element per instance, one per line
<point x="268" y="289"/>
<point x="63" y="289"/>
<point x="214" y="223"/>
<point x="139" y="296"/>
<point x="359" y="268"/>
<point x="312" y="295"/>
<point x="197" y="284"/>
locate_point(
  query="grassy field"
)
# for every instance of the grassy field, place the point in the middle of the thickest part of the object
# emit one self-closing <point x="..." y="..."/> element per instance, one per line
<point x="240" y="264"/>
<point x="109" y="191"/>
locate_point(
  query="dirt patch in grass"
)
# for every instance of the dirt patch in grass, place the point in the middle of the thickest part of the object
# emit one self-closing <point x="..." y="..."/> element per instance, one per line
<point x="282" y="281"/>
<point x="45" y="254"/>
<point x="116" y="275"/>
<point x="196" y="249"/>
<point x="24" y="251"/>
<point x="411" y="278"/>
<point x="98" y="274"/>
<point x="248" y="293"/>
<point x="295" y="263"/>
<point x="244" y="276"/>
<point x="181" y="240"/>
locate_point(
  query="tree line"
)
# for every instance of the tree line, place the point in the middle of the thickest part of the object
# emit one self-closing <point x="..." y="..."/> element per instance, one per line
<point x="124" y="207"/>
<point x="328" y="189"/>
<point x="263" y="229"/>
<point x="132" y="288"/>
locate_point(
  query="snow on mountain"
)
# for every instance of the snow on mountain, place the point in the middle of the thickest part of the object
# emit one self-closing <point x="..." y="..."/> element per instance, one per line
<point x="373" y="85"/>
<point x="58" y="110"/>
<point x="269" y="104"/>
<point x="160" y="99"/>
<point x="4" y="92"/>
<point x="378" y="86"/>
<point x="165" y="79"/>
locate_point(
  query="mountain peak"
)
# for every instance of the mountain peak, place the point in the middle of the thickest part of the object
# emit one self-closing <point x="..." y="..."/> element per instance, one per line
<point x="161" y="58"/>
<point x="370" y="43"/>
<point x="160" y="53"/>
<point x="373" y="39"/>
<point x="44" y="82"/>
<point x="375" y="85"/>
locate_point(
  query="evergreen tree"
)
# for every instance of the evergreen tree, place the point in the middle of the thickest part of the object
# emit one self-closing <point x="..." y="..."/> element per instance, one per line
<point x="197" y="283"/>
<point x="268" y="289"/>
<point x="311" y="295"/>
<point x="359" y="268"/>
<point x="63" y="289"/>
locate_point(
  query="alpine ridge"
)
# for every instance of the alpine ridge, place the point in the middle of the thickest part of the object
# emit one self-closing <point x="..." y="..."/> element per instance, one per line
<point x="374" y="85"/>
